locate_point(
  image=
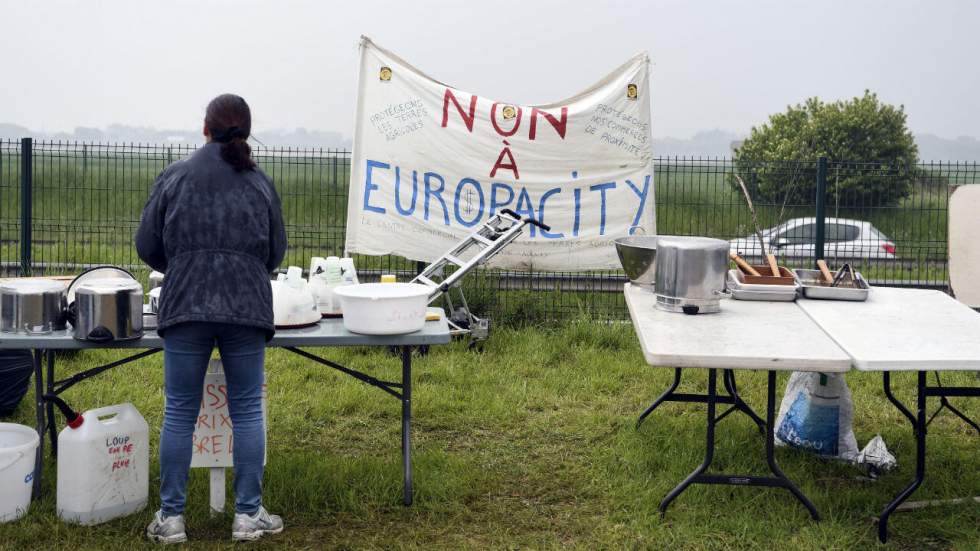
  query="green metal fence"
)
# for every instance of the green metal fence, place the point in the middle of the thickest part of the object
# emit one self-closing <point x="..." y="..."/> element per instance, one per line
<point x="67" y="206"/>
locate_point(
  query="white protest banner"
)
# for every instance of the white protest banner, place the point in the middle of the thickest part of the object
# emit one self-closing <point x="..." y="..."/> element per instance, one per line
<point x="213" y="441"/>
<point x="431" y="163"/>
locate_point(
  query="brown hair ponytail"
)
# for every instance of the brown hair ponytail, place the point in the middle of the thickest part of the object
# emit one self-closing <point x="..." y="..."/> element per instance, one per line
<point x="229" y="122"/>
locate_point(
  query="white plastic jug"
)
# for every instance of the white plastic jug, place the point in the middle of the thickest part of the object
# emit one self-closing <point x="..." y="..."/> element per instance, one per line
<point x="18" y="448"/>
<point x="103" y="465"/>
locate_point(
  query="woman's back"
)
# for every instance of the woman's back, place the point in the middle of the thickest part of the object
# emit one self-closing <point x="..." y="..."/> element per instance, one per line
<point x="216" y="232"/>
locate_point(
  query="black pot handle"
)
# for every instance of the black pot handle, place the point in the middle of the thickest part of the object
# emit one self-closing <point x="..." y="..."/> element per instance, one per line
<point x="100" y="334"/>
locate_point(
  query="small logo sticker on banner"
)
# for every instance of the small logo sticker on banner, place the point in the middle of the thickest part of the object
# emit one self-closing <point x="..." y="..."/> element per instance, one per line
<point x="631" y="91"/>
<point x="509" y="112"/>
<point x="385" y="74"/>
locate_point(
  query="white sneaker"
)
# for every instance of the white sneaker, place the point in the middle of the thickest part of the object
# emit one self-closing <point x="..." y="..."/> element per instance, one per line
<point x="249" y="528"/>
<point x="166" y="530"/>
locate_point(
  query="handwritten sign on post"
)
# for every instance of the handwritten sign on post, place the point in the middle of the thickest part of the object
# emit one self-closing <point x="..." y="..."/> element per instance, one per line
<point x="214" y="441"/>
<point x="431" y="163"/>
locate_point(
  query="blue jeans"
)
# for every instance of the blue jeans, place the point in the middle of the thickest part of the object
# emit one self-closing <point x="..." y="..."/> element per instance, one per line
<point x="187" y="349"/>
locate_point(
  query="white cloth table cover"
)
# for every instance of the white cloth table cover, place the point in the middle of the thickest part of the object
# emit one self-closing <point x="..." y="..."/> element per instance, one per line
<point x="744" y="335"/>
<point x="902" y="330"/>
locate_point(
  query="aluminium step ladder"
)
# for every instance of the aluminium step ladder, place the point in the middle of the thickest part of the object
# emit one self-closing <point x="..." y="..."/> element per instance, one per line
<point x="475" y="250"/>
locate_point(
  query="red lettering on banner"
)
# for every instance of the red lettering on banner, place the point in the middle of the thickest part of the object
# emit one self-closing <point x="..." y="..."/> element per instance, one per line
<point x="512" y="165"/>
<point x="559" y="125"/>
<point x="467" y="118"/>
<point x="493" y="120"/>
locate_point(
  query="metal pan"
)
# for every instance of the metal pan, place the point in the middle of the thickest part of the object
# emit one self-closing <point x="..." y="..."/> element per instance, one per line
<point x="770" y="293"/>
<point x="814" y="286"/>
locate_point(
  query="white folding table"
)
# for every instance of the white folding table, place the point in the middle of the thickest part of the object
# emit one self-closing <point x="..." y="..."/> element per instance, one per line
<point x="906" y="330"/>
<point x="767" y="336"/>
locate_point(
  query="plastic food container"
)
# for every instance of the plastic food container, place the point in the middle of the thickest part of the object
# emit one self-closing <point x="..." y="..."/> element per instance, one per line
<point x="384" y="308"/>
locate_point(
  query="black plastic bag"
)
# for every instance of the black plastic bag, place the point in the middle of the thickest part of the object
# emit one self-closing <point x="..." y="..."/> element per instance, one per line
<point x="16" y="367"/>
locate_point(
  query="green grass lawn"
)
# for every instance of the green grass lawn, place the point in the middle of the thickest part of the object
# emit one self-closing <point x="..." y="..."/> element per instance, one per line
<point x="531" y="445"/>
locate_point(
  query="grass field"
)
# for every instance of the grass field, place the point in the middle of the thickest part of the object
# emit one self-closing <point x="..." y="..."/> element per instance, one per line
<point x="531" y="445"/>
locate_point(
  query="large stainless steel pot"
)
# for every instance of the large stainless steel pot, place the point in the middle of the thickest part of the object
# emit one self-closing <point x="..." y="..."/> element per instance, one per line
<point x="108" y="309"/>
<point x="638" y="254"/>
<point x="34" y="306"/>
<point x="690" y="274"/>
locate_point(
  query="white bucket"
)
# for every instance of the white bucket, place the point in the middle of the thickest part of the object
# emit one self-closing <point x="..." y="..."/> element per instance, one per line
<point x="18" y="448"/>
<point x="383" y="308"/>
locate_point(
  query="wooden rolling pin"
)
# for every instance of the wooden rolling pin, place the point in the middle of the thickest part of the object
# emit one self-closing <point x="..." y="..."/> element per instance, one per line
<point x="825" y="271"/>
<point x="744" y="265"/>
<point x="772" y="264"/>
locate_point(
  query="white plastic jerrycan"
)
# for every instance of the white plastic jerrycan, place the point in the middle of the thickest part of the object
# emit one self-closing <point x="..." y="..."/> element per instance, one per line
<point x="103" y="465"/>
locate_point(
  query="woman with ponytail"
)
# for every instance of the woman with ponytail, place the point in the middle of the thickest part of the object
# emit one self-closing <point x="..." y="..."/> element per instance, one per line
<point x="213" y="225"/>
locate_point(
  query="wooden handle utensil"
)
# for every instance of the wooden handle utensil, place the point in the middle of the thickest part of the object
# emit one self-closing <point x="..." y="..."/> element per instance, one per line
<point x="825" y="271"/>
<point x="772" y="264"/>
<point x="744" y="265"/>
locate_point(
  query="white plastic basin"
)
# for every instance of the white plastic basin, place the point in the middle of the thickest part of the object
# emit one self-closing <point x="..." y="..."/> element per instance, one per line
<point x="383" y="308"/>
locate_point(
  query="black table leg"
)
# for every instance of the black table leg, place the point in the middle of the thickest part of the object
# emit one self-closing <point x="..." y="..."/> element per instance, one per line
<point x="52" y="421"/>
<point x="919" y="423"/>
<point x="944" y="403"/>
<point x="406" y="422"/>
<point x="41" y="425"/>
<point x="771" y="445"/>
<point x="660" y="399"/>
<point x="709" y="450"/>
<point x="779" y="480"/>
<point x="729" y="379"/>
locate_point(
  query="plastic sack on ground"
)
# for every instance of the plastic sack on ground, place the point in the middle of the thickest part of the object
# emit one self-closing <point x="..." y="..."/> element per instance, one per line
<point x="16" y="368"/>
<point x="817" y="415"/>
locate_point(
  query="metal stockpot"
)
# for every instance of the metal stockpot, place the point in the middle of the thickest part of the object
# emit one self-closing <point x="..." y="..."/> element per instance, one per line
<point x="32" y="307"/>
<point x="108" y="309"/>
<point x="690" y="274"/>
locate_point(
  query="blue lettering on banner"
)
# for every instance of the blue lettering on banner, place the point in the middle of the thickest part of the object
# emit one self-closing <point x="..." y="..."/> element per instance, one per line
<point x="643" y="198"/>
<point x="601" y="188"/>
<point x="415" y="192"/>
<point x="494" y="203"/>
<point x="368" y="186"/>
<point x="548" y="234"/>
<point x="578" y="206"/>
<point x="472" y="203"/>
<point x="437" y="193"/>
<point x="525" y="208"/>
<point x="468" y="207"/>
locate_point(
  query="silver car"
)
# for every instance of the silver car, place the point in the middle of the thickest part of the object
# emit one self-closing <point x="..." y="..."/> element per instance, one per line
<point x="796" y="238"/>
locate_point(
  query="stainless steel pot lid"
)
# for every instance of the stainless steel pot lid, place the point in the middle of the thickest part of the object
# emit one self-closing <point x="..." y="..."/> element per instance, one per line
<point x="32" y="287"/>
<point x="108" y="285"/>
<point x="99" y="272"/>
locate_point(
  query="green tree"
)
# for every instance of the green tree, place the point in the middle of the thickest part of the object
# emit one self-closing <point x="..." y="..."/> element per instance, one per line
<point x="872" y="153"/>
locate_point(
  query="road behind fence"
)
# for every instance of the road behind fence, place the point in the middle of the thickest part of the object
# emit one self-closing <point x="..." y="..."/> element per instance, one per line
<point x="67" y="206"/>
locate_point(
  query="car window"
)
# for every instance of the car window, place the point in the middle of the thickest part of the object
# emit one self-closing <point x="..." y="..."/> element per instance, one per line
<point x="804" y="233"/>
<point x="841" y="232"/>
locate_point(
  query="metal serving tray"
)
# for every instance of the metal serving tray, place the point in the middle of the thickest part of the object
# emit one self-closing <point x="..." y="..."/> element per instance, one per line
<point x="813" y="286"/>
<point x="771" y="293"/>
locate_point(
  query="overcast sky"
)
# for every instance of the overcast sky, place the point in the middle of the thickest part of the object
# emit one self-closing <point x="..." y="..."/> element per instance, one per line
<point x="721" y="64"/>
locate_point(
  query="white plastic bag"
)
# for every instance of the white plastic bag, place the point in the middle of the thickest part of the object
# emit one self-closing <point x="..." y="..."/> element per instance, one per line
<point x="817" y="415"/>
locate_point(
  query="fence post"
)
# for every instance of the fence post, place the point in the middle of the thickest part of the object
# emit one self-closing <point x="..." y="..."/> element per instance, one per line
<point x="26" y="185"/>
<point x="821" y="213"/>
